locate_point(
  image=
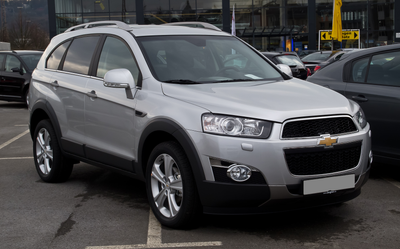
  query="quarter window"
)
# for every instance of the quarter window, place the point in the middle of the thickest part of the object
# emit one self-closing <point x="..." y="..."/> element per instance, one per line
<point x="359" y="70"/>
<point x="79" y="54"/>
<point x="116" y="54"/>
<point x="54" y="59"/>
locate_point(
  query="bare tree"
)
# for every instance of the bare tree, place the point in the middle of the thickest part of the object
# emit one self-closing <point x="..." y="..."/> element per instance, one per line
<point x="24" y="34"/>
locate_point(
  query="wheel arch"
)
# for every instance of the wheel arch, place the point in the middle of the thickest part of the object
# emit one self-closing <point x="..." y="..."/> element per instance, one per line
<point x="43" y="110"/>
<point x="161" y="130"/>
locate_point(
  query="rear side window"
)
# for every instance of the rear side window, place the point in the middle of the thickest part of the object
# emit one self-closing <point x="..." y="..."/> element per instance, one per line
<point x="79" y="54"/>
<point x="116" y="54"/>
<point x="54" y="59"/>
<point x="289" y="60"/>
<point x="384" y="69"/>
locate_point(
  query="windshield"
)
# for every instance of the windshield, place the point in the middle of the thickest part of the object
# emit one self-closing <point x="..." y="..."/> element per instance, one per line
<point x="31" y="60"/>
<point x="204" y="59"/>
<point x="290" y="60"/>
<point x="316" y="57"/>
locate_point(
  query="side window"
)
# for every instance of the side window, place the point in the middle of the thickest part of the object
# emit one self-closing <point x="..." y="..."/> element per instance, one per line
<point x="54" y="59"/>
<point x="116" y="54"/>
<point x="384" y="69"/>
<point x="2" y="56"/>
<point x="79" y="54"/>
<point x="359" y="70"/>
<point x="12" y="62"/>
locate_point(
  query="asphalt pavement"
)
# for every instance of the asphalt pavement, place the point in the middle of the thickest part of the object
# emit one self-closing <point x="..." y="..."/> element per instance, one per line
<point x="98" y="209"/>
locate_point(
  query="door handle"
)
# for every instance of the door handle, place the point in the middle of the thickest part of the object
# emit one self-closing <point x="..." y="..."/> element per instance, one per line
<point x="359" y="98"/>
<point x="54" y="83"/>
<point x="92" y="94"/>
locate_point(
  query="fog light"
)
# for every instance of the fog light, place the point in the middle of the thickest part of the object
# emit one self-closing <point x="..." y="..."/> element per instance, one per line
<point x="239" y="173"/>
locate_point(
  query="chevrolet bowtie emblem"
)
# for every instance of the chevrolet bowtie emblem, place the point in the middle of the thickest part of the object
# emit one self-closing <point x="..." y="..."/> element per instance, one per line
<point x="327" y="140"/>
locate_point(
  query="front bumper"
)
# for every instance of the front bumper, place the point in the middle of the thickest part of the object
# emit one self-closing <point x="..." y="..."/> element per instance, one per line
<point x="282" y="190"/>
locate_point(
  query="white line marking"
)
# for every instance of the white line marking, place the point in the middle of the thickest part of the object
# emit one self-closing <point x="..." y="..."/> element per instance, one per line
<point x="13" y="139"/>
<point x="16" y="158"/>
<point x="393" y="182"/>
<point x="22" y="125"/>
<point x="154" y="239"/>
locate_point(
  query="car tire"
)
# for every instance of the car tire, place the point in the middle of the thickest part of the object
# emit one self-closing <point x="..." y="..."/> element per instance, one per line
<point x="26" y="97"/>
<point x="171" y="190"/>
<point x="49" y="161"/>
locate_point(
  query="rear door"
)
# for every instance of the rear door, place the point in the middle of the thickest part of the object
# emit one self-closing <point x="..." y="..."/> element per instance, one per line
<point x="71" y="62"/>
<point x="109" y="113"/>
<point x="376" y="87"/>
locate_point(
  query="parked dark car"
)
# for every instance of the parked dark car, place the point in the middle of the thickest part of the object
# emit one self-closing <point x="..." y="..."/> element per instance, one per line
<point x="371" y="78"/>
<point x="298" y="68"/>
<point x="15" y="74"/>
<point x="315" y="60"/>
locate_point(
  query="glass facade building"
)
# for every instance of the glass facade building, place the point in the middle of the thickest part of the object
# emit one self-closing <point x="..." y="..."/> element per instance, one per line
<point x="274" y="25"/>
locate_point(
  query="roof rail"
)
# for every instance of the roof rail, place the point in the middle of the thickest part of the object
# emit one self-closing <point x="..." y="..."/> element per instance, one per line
<point x="204" y="25"/>
<point x="119" y="24"/>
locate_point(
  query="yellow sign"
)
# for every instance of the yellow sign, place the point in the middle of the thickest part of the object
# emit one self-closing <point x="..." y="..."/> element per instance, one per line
<point x="346" y="35"/>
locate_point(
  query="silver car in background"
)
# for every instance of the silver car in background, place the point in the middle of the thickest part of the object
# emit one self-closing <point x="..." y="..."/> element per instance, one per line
<point x="209" y="123"/>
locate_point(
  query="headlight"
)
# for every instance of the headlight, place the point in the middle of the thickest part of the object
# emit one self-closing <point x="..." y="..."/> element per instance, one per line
<point x="235" y="126"/>
<point x="360" y="117"/>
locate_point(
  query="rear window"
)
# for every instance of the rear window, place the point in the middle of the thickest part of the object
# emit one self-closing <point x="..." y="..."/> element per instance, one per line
<point x="79" y="54"/>
<point x="289" y="60"/>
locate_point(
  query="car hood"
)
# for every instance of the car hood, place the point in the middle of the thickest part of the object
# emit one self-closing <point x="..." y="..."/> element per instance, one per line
<point x="274" y="100"/>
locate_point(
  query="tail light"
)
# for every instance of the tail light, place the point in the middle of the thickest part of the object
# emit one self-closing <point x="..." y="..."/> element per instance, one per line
<point x="308" y="72"/>
<point x="316" y="68"/>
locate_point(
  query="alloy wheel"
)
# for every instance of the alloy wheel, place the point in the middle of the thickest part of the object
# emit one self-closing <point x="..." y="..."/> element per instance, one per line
<point x="44" y="151"/>
<point x="166" y="185"/>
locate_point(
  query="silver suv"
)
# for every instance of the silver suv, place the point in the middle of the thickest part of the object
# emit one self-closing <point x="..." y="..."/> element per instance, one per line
<point x="209" y="123"/>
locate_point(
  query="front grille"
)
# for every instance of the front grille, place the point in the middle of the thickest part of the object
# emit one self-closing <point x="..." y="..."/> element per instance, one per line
<point x="317" y="127"/>
<point x="220" y="176"/>
<point x="321" y="160"/>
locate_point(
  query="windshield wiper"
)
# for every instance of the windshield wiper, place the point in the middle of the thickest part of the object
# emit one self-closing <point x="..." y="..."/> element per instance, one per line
<point x="182" y="81"/>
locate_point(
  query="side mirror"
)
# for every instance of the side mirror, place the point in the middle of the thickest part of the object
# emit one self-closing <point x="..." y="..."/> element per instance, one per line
<point x="286" y="69"/>
<point x="120" y="78"/>
<point x="16" y="70"/>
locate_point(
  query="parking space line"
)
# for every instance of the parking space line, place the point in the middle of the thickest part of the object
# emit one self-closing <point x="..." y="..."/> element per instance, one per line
<point x="16" y="158"/>
<point x="13" y="139"/>
<point x="393" y="182"/>
<point x="21" y="125"/>
<point x="154" y="239"/>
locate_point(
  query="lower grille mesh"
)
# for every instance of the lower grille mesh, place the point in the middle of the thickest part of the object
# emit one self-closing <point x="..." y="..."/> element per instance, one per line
<point x="321" y="160"/>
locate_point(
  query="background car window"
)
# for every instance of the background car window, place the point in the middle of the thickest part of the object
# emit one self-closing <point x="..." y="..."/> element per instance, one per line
<point x="384" y="69"/>
<point x="289" y="60"/>
<point x="316" y="57"/>
<point x="54" y="59"/>
<point x="31" y="60"/>
<point x="359" y="70"/>
<point x="79" y="54"/>
<point x="12" y="62"/>
<point x="116" y="54"/>
<point x="2" y="56"/>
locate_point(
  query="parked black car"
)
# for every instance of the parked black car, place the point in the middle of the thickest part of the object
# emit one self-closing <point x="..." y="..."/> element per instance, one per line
<point x="315" y="60"/>
<point x="15" y="74"/>
<point x="371" y="78"/>
<point x="298" y="68"/>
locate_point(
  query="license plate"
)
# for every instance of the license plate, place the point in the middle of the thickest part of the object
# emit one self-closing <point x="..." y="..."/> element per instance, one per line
<point x="323" y="185"/>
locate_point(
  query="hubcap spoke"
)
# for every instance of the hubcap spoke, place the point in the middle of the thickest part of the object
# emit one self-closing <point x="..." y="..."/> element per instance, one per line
<point x="176" y="185"/>
<point x="50" y="154"/>
<point x="160" y="198"/>
<point x="47" y="165"/>
<point x="39" y="157"/>
<point x="173" y="208"/>
<point x="157" y="174"/>
<point x="40" y="142"/>
<point x="168" y="162"/>
<point x="46" y="138"/>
